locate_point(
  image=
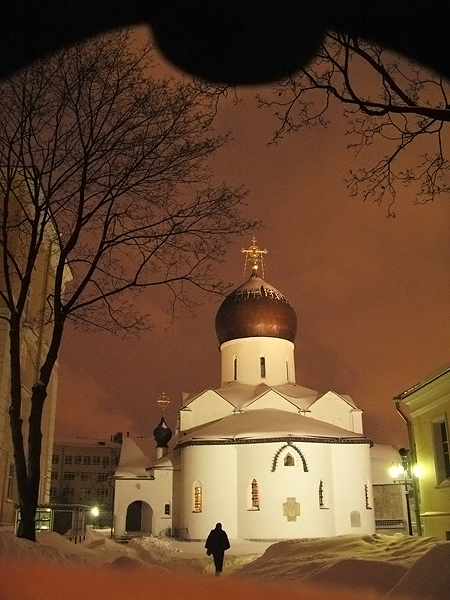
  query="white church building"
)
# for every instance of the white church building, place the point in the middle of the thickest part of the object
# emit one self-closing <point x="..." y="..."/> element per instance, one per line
<point x="268" y="458"/>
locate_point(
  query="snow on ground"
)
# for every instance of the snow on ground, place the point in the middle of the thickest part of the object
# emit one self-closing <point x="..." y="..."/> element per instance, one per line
<point x="372" y="566"/>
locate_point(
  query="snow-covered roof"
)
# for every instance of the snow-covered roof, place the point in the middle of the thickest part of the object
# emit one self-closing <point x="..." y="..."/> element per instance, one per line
<point x="267" y="423"/>
<point x="241" y="395"/>
<point x="136" y="456"/>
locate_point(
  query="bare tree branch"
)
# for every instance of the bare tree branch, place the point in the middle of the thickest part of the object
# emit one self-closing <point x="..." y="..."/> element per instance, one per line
<point x="104" y="170"/>
<point x="385" y="99"/>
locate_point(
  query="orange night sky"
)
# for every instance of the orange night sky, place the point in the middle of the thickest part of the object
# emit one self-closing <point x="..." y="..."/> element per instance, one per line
<point x="371" y="294"/>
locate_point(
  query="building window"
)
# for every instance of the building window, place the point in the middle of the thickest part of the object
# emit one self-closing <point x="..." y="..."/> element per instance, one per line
<point x="198" y="497"/>
<point x="355" y="518"/>
<point x="55" y="459"/>
<point x="77" y="460"/>
<point x="255" y="494"/>
<point x="441" y="450"/>
<point x="367" y="496"/>
<point x="102" y="476"/>
<point x="321" y="500"/>
<point x="85" y="476"/>
<point x="262" y="362"/>
<point x="235" y="369"/>
<point x="86" y="460"/>
<point x="67" y="460"/>
<point x="10" y="490"/>
<point x="54" y="475"/>
<point x="69" y="476"/>
<point x="53" y="494"/>
<point x="289" y="460"/>
<point x="105" y="461"/>
<point x="85" y="493"/>
<point x="103" y="493"/>
<point x="287" y="370"/>
<point x="167" y="509"/>
<point x="67" y="494"/>
<point x="96" y="460"/>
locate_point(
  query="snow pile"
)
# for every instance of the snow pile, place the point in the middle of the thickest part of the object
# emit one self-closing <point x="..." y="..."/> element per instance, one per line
<point x="379" y="563"/>
<point x="376" y="566"/>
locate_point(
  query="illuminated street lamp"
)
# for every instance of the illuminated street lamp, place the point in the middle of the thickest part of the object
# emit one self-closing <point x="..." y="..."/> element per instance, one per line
<point x="404" y="473"/>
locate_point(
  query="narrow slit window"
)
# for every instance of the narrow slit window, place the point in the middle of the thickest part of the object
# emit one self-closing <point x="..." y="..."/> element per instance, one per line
<point x="287" y="370"/>
<point x="255" y="494"/>
<point x="321" y="500"/>
<point x="262" y="362"/>
<point x="198" y="498"/>
<point x="235" y="369"/>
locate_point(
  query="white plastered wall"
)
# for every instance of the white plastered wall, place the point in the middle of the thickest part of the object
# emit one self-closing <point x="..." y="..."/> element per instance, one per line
<point x="333" y="409"/>
<point x="278" y="355"/>
<point x="214" y="467"/>
<point x="205" y="408"/>
<point x="351" y="473"/>
<point x="155" y="492"/>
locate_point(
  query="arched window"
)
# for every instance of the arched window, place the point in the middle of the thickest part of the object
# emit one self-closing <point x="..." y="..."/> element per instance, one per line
<point x="355" y="518"/>
<point x="289" y="460"/>
<point x="235" y="368"/>
<point x="255" y="494"/>
<point x="198" y="497"/>
<point x="262" y="362"/>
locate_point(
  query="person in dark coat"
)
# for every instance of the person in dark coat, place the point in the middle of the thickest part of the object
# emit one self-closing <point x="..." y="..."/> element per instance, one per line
<point x="216" y="544"/>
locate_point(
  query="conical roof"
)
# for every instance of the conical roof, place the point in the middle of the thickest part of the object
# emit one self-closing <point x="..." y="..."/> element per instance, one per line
<point x="255" y="309"/>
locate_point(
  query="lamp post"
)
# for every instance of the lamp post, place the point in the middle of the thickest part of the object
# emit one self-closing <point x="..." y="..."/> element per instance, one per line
<point x="404" y="470"/>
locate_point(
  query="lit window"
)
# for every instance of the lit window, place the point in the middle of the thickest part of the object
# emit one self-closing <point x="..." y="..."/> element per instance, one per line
<point x="441" y="450"/>
<point x="262" y="362"/>
<point x="67" y="460"/>
<point x="255" y="494"/>
<point x="198" y="499"/>
<point x="289" y="460"/>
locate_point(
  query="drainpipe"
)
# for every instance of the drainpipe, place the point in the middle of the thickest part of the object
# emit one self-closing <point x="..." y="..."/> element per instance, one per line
<point x="413" y="462"/>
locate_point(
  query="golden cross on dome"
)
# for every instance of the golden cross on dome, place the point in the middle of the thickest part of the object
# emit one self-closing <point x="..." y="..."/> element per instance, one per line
<point x="163" y="401"/>
<point x="255" y="255"/>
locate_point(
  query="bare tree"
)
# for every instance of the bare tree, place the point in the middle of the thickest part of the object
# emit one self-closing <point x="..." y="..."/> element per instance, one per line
<point x="386" y="100"/>
<point x="104" y="172"/>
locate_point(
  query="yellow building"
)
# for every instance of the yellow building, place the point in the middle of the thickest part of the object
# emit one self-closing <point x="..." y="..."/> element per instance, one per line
<point x="429" y="406"/>
<point x="35" y="339"/>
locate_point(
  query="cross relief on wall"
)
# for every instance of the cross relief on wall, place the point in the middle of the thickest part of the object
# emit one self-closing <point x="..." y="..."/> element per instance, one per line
<point x="291" y="509"/>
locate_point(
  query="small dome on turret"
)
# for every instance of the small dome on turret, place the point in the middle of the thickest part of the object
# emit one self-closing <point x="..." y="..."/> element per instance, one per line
<point x="162" y="434"/>
<point x="255" y="309"/>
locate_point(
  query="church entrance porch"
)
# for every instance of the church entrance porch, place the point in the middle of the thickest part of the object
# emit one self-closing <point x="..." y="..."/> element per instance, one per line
<point x="139" y="518"/>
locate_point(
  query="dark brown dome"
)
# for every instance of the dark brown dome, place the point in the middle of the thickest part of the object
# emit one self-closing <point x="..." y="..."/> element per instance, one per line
<point x="255" y="309"/>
